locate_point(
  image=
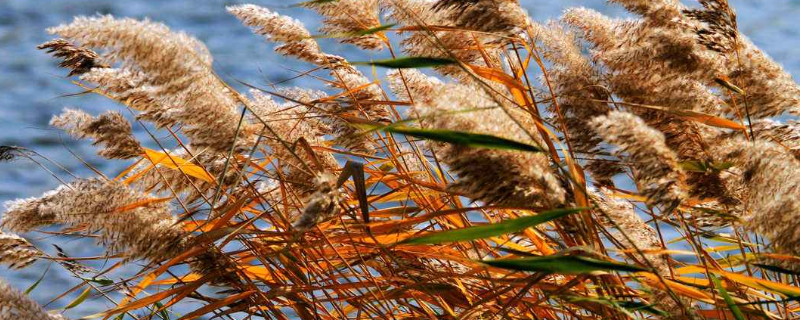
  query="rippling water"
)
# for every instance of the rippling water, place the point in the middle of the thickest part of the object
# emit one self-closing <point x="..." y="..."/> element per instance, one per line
<point x="32" y="88"/>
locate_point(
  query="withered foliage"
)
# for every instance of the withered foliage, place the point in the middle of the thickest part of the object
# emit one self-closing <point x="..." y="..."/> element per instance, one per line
<point x="411" y="194"/>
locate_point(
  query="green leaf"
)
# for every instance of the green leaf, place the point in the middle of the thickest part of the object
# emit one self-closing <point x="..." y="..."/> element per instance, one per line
<point x="492" y="230"/>
<point x="464" y="138"/>
<point x="727" y="297"/>
<point x="693" y="166"/>
<point x="730" y="86"/>
<point x="625" y="306"/>
<point x="36" y="284"/>
<point x="408" y="62"/>
<point x="704" y="166"/>
<point x="562" y="264"/>
<point x="358" y="33"/>
<point x="776" y="269"/>
<point x="102" y="282"/>
<point x="311" y="3"/>
<point x="80" y="299"/>
<point x="163" y="313"/>
<point x="373" y="30"/>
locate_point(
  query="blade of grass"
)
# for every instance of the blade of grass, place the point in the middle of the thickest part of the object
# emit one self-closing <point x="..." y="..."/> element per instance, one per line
<point x="36" y="284"/>
<point x="80" y="299"/>
<point x="562" y="264"/>
<point x="727" y="297"/>
<point x="464" y="138"/>
<point x="407" y="62"/>
<point x="492" y="230"/>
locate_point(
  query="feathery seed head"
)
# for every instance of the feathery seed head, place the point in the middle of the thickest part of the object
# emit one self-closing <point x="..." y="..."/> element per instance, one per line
<point x="109" y="129"/>
<point x="127" y="220"/>
<point x="348" y="18"/>
<point x="485" y="15"/>
<point x="295" y="39"/>
<point x="17" y="252"/>
<point x="16" y="305"/>
<point x="717" y="29"/>
<point x="657" y="170"/>
<point x="78" y="59"/>
<point x="173" y="74"/>
<point x="772" y="202"/>
<point x="522" y="179"/>
<point x="412" y="85"/>
<point x="321" y="205"/>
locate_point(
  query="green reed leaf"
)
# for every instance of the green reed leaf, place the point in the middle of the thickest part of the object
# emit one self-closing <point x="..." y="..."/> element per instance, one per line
<point x="36" y="284"/>
<point x="492" y="230"/>
<point x="80" y="299"/>
<point x="727" y="297"/>
<point x="625" y="306"/>
<point x="358" y="33"/>
<point x="776" y="269"/>
<point x="562" y="264"/>
<point x="311" y="3"/>
<point x="730" y="86"/>
<point x="464" y="138"/>
<point x="163" y="313"/>
<point x="408" y="62"/>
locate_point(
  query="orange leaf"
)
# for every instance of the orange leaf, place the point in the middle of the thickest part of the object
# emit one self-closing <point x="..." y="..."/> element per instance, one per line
<point x="713" y="121"/>
<point x="153" y="275"/>
<point x="218" y="304"/>
<point x="147" y="301"/>
<point x="498" y="76"/>
<point x="139" y="204"/>
<point x="187" y="278"/>
<point x="756" y="283"/>
<point x="679" y="289"/>
<point x="176" y="163"/>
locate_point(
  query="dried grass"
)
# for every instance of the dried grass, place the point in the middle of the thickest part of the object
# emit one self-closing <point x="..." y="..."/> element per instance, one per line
<point x="298" y="203"/>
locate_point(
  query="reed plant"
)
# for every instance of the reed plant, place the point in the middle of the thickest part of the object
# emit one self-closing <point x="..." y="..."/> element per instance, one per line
<point x="492" y="167"/>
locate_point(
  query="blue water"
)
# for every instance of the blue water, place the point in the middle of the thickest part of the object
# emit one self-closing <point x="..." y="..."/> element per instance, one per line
<point x="32" y="88"/>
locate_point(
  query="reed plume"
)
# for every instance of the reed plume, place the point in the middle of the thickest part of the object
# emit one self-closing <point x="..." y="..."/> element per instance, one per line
<point x="16" y="252"/>
<point x="639" y="240"/>
<point x="78" y="59"/>
<point x="15" y="305"/>
<point x="176" y="77"/>
<point x="295" y="38"/>
<point x="292" y="122"/>
<point x="493" y="176"/>
<point x="358" y="90"/>
<point x="657" y="172"/>
<point x="771" y="204"/>
<point x="310" y="202"/>
<point x="321" y="205"/>
<point x="127" y="220"/>
<point x="109" y="129"/>
<point x="441" y="44"/>
<point x="352" y="19"/>
<point x="485" y="15"/>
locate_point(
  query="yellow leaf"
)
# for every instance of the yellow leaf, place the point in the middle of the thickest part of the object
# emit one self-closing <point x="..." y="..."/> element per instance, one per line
<point x="176" y="163"/>
<point x="218" y="304"/>
<point x="679" y="289"/>
<point x="187" y="278"/>
<point x="712" y="120"/>
<point x="139" y="204"/>
<point x="498" y="76"/>
<point x="756" y="283"/>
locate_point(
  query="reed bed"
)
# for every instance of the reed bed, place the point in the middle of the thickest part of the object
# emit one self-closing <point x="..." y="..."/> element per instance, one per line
<point x="493" y="167"/>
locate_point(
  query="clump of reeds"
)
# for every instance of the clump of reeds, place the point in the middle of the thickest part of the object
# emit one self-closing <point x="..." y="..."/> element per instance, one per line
<point x="583" y="168"/>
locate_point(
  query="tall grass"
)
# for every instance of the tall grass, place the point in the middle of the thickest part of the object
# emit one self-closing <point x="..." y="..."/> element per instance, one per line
<point x="501" y="168"/>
